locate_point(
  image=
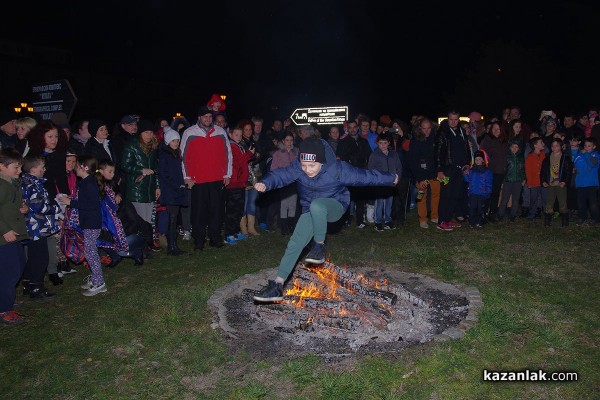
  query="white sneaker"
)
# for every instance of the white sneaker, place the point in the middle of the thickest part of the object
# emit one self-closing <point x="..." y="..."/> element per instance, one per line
<point x="87" y="282"/>
<point x="187" y="235"/>
<point x="434" y="220"/>
<point x="94" y="290"/>
<point x="424" y="225"/>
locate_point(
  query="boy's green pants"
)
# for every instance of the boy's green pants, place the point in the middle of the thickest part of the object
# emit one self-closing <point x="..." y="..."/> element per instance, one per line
<point x="310" y="224"/>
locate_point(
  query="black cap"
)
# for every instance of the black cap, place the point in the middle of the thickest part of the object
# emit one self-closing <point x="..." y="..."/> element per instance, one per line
<point x="204" y="110"/>
<point x="6" y="116"/>
<point x="312" y="149"/>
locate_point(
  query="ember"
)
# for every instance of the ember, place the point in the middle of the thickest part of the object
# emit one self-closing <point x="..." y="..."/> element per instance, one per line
<point x="331" y="309"/>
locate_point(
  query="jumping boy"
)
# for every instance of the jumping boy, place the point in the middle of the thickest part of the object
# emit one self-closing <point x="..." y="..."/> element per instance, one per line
<point x="324" y="197"/>
<point x="12" y="232"/>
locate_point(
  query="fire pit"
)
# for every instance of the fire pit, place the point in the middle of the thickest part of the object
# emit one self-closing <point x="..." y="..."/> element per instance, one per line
<point x="334" y="311"/>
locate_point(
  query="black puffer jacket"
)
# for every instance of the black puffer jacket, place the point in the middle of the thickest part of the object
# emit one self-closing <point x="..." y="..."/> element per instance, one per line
<point x="442" y="147"/>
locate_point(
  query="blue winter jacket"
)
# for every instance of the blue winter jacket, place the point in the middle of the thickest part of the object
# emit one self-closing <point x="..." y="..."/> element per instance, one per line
<point x="330" y="182"/>
<point x="480" y="183"/>
<point x="586" y="167"/>
<point x="170" y="177"/>
<point x="43" y="212"/>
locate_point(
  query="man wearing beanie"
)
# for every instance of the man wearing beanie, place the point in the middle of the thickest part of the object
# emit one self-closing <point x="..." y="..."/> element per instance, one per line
<point x="207" y="163"/>
<point x="324" y="198"/>
<point x="8" y="130"/>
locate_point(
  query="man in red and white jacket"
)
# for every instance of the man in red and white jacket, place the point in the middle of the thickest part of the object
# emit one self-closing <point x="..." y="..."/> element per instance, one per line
<point x="207" y="164"/>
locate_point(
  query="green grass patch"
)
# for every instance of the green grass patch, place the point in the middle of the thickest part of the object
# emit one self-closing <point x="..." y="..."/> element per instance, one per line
<point x="150" y="336"/>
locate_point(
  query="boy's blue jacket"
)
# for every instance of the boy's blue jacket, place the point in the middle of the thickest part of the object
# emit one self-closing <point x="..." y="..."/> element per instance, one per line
<point x="331" y="181"/>
<point x="43" y="212"/>
<point x="480" y="183"/>
<point x="586" y="167"/>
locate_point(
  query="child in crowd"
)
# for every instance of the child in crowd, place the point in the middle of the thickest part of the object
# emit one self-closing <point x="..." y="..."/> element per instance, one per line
<point x="555" y="176"/>
<point x="174" y="193"/>
<point x="64" y="266"/>
<point x="288" y="197"/>
<point x="12" y="232"/>
<point x="586" y="181"/>
<point x="42" y="222"/>
<point x="90" y="191"/>
<point x="385" y="160"/>
<point x="479" y="178"/>
<point x="324" y="197"/>
<point x="514" y="180"/>
<point x="112" y="236"/>
<point x="235" y="191"/>
<point x="533" y="167"/>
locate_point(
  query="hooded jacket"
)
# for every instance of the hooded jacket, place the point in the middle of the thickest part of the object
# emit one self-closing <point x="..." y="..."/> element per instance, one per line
<point x="43" y="213"/>
<point x="330" y="182"/>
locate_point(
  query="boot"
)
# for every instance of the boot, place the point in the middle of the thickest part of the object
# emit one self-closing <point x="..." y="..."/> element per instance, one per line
<point x="564" y="219"/>
<point x="172" y="248"/>
<point x="244" y="225"/>
<point x="251" y="223"/>
<point x="524" y="212"/>
<point x="38" y="291"/>
<point x="55" y="279"/>
<point x="284" y="226"/>
<point x="547" y="219"/>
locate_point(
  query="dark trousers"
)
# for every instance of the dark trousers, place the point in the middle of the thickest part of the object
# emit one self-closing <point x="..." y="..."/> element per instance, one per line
<point x="401" y="202"/>
<point x="453" y="196"/>
<point x="37" y="260"/>
<point x="268" y="207"/>
<point x="359" y="195"/>
<point x="207" y="210"/>
<point x="476" y="204"/>
<point x="497" y="181"/>
<point x="587" y="198"/>
<point x="11" y="269"/>
<point x="234" y="208"/>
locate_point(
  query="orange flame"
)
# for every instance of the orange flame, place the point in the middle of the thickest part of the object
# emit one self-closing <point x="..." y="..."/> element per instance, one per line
<point x="325" y="289"/>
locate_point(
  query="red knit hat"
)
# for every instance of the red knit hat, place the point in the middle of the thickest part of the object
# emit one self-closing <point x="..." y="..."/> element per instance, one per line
<point x="214" y="99"/>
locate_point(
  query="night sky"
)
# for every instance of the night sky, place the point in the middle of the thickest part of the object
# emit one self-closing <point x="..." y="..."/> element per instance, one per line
<point x="375" y="56"/>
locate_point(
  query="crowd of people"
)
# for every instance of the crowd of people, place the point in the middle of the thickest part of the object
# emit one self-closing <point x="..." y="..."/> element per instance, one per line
<point x="86" y="193"/>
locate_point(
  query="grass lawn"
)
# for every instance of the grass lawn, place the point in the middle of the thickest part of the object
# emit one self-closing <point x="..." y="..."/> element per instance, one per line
<point x="150" y="336"/>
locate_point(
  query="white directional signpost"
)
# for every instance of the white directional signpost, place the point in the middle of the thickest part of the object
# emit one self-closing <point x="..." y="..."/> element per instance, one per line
<point x="320" y="115"/>
<point x="53" y="97"/>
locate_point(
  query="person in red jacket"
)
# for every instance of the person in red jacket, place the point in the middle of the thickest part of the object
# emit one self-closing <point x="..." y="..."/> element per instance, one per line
<point x="235" y="192"/>
<point x="207" y="164"/>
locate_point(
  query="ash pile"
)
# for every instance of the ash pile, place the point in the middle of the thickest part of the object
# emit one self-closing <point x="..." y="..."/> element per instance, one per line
<point x="336" y="311"/>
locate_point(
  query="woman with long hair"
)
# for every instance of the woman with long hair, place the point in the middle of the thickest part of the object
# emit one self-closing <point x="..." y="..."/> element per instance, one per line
<point x="496" y="146"/>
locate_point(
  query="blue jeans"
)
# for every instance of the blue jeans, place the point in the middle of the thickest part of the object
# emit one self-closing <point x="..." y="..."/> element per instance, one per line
<point x="250" y="204"/>
<point x="383" y="209"/>
<point x="11" y="269"/>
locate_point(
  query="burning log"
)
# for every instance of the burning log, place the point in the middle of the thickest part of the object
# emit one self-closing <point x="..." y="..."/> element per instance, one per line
<point x="348" y="280"/>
